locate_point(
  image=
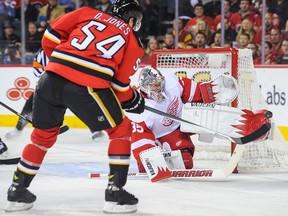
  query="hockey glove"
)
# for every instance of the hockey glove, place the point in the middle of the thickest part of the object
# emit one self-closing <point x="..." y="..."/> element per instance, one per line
<point x="221" y="90"/>
<point x="3" y="147"/>
<point x="134" y="105"/>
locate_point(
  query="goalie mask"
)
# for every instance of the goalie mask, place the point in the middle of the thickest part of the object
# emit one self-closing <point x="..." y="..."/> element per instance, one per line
<point x="152" y="83"/>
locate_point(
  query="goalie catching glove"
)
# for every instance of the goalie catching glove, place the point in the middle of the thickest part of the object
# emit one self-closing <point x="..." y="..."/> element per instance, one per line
<point x="222" y="90"/>
<point x="135" y="104"/>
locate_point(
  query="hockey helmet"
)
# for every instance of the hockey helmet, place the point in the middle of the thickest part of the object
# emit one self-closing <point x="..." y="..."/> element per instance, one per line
<point x="126" y="9"/>
<point x="152" y="83"/>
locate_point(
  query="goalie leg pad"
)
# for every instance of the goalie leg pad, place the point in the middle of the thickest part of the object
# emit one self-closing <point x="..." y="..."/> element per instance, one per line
<point x="154" y="164"/>
<point x="136" y="153"/>
<point x="174" y="159"/>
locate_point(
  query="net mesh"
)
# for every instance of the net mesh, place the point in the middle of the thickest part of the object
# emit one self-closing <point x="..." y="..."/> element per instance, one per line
<point x="206" y="64"/>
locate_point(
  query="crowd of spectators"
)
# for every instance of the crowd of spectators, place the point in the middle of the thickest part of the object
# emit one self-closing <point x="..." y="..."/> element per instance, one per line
<point x="199" y="25"/>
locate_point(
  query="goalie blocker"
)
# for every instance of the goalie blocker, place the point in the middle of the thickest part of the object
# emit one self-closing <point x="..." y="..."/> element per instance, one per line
<point x="230" y="121"/>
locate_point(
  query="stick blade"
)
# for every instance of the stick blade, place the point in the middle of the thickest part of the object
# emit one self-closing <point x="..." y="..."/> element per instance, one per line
<point x="254" y="135"/>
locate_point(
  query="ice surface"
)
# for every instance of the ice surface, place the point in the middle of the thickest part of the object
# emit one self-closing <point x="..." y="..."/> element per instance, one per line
<point x="62" y="186"/>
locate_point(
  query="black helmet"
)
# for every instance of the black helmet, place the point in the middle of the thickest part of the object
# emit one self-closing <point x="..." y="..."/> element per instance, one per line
<point x="125" y="9"/>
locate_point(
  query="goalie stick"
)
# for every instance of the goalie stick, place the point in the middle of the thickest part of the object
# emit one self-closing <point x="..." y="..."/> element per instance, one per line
<point x="185" y="173"/>
<point x="63" y="129"/>
<point x="213" y="173"/>
<point x="241" y="140"/>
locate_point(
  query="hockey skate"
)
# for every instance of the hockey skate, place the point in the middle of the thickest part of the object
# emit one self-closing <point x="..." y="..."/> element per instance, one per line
<point x="97" y="134"/>
<point x="19" y="198"/>
<point x="118" y="200"/>
<point x="14" y="133"/>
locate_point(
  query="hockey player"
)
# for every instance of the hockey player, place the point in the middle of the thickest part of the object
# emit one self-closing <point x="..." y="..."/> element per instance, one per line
<point x="92" y="55"/>
<point x="39" y="63"/>
<point x="166" y="93"/>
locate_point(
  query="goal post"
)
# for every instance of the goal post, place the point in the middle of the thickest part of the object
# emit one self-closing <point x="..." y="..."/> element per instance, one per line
<point x="204" y="65"/>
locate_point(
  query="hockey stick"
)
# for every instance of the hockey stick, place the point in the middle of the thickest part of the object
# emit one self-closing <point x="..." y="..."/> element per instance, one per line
<point x="213" y="173"/>
<point x="63" y="129"/>
<point x="241" y="140"/>
<point x="194" y="173"/>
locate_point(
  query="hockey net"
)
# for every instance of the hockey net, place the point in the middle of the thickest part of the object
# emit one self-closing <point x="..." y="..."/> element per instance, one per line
<point x="205" y="64"/>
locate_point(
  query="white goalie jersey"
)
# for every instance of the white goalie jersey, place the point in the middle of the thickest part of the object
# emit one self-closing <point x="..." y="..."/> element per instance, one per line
<point x="177" y="91"/>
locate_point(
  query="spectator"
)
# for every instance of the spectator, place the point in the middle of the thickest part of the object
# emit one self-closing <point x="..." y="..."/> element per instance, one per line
<point x="31" y="11"/>
<point x="7" y="10"/>
<point x="216" y="40"/>
<point x="69" y="5"/>
<point x="12" y="55"/>
<point x="33" y="38"/>
<point x="284" y="33"/>
<point x="268" y="27"/>
<point x="213" y="8"/>
<point x="199" y="13"/>
<point x="255" y="51"/>
<point x="258" y="18"/>
<point x="42" y="24"/>
<point x="8" y="35"/>
<point x="243" y="41"/>
<point x="186" y="11"/>
<point x="234" y="6"/>
<point x="280" y="8"/>
<point x="246" y="27"/>
<point x="170" y="10"/>
<point x="276" y="41"/>
<point x="38" y="4"/>
<point x="105" y="6"/>
<point x="227" y="13"/>
<point x="150" y="23"/>
<point x="51" y="11"/>
<point x="202" y="26"/>
<point x="168" y="41"/>
<point x="200" y="40"/>
<point x="184" y="36"/>
<point x="283" y="59"/>
<point x="269" y="57"/>
<point x="151" y="46"/>
<point x="244" y="12"/>
<point x="89" y="3"/>
<point x="229" y="33"/>
<point x="267" y="38"/>
<point x="227" y="44"/>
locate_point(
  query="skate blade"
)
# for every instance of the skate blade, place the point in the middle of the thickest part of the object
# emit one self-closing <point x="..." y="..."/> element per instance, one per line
<point x="114" y="208"/>
<point x="17" y="206"/>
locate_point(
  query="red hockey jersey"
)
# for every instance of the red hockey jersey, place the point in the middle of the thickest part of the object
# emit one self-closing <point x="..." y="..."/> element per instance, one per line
<point x="94" y="49"/>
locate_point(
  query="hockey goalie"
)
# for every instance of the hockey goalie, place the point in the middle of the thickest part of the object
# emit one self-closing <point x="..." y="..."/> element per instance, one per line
<point x="161" y="144"/>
